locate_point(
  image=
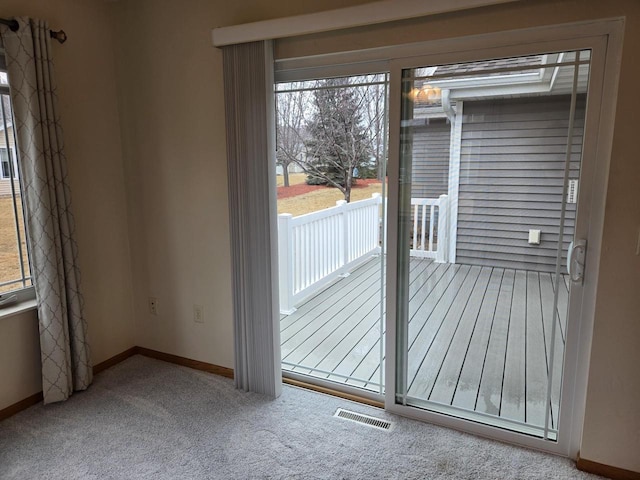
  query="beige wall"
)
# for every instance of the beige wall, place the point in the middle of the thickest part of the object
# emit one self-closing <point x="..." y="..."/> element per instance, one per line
<point x="19" y="358"/>
<point x="88" y="108"/>
<point x="172" y="118"/>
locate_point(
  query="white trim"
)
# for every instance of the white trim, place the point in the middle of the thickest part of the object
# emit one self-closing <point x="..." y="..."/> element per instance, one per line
<point x="341" y="18"/>
<point x="393" y="174"/>
<point x="378" y="59"/>
<point x="605" y="78"/>
<point x="19" y="308"/>
<point x="455" y="148"/>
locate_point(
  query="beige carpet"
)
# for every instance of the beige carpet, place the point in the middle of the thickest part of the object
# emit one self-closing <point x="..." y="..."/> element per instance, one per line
<point x="146" y="419"/>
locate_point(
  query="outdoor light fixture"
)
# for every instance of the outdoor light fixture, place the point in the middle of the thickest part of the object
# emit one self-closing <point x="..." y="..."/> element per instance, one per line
<point x="425" y="94"/>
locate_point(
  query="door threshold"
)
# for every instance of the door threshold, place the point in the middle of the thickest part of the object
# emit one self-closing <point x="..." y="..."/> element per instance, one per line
<point x="330" y="388"/>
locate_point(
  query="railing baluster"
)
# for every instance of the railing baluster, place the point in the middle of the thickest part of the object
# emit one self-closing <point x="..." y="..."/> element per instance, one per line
<point x="432" y="217"/>
<point x="443" y="227"/>
<point x="415" y="227"/>
<point x="423" y="233"/>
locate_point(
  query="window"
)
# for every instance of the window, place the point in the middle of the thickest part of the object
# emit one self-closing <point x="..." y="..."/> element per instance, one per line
<point x="9" y="168"/>
<point x="15" y="272"/>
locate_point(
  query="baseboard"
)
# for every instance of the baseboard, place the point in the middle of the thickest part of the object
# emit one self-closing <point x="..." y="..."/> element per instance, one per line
<point x="110" y="362"/>
<point x="25" y="403"/>
<point x="614" y="473"/>
<point x="186" y="362"/>
<point x="330" y="391"/>
<point x="17" y="407"/>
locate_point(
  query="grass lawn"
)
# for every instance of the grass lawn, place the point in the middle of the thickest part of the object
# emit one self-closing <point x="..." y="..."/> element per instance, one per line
<point x="294" y="179"/>
<point x="9" y="257"/>
<point x="323" y="198"/>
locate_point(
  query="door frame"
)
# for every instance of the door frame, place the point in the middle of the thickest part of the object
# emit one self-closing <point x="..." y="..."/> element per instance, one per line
<point x="604" y="39"/>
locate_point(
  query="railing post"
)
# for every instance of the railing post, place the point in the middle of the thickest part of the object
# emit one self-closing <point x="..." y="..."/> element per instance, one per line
<point x="443" y="226"/>
<point x="344" y="243"/>
<point x="285" y="263"/>
<point x="376" y="224"/>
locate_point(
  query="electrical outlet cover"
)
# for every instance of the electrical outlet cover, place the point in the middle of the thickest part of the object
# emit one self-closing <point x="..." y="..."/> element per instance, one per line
<point x="198" y="313"/>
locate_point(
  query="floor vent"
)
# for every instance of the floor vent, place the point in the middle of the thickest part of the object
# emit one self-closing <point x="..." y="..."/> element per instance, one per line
<point x="363" y="419"/>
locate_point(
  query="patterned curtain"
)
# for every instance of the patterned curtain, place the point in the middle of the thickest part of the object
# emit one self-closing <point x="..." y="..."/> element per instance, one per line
<point x="66" y="364"/>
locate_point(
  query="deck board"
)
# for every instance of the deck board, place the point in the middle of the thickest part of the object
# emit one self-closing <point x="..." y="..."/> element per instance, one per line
<point x="536" y="359"/>
<point x="430" y="363"/>
<point x="368" y="368"/>
<point x="468" y="384"/>
<point x="445" y="384"/>
<point x="512" y="402"/>
<point x="479" y="337"/>
<point x="363" y="357"/>
<point x="490" y="390"/>
<point x="442" y="300"/>
<point x="324" y="313"/>
<point x="563" y="302"/>
<point x="339" y="289"/>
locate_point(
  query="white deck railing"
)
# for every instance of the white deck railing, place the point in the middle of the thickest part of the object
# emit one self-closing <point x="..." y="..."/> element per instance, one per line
<point x="429" y="218"/>
<point x="314" y="249"/>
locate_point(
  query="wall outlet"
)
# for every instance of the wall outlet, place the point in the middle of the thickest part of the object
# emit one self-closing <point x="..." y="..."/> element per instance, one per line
<point x="198" y="313"/>
<point x="153" y="305"/>
<point x="534" y="237"/>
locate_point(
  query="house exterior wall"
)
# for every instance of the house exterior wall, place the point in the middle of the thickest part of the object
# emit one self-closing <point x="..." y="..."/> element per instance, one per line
<point x="511" y="180"/>
<point x="430" y="166"/>
<point x="5" y="186"/>
<point x="5" y="183"/>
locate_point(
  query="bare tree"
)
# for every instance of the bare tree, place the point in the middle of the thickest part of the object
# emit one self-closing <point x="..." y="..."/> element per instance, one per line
<point x="333" y="129"/>
<point x="375" y="120"/>
<point x="290" y="125"/>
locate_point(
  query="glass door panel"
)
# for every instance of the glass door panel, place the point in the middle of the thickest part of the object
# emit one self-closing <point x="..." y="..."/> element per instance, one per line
<point x="490" y="156"/>
<point x="331" y="165"/>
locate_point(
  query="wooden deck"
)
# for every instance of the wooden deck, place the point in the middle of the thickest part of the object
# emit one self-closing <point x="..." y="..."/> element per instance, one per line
<point x="479" y="337"/>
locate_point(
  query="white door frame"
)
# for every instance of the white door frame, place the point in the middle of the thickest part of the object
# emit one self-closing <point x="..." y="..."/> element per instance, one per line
<point x="604" y="39"/>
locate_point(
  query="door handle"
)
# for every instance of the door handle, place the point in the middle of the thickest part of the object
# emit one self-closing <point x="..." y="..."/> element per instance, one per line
<point x="575" y="260"/>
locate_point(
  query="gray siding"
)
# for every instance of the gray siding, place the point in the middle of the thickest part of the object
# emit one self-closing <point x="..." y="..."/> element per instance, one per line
<point x="511" y="175"/>
<point x="430" y="168"/>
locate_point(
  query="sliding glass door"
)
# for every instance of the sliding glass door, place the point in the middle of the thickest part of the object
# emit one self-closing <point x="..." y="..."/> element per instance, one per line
<point x="488" y="249"/>
<point x="478" y="313"/>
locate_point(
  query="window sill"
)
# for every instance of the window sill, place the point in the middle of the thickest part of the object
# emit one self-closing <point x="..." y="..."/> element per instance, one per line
<point x="18" y="308"/>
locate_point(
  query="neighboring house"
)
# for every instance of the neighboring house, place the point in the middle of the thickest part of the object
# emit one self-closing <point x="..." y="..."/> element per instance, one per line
<point x="9" y="163"/>
<point x="8" y="159"/>
<point x="504" y="187"/>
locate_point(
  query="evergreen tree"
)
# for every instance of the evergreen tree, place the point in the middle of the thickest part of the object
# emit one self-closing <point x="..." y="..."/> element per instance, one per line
<point x="337" y="139"/>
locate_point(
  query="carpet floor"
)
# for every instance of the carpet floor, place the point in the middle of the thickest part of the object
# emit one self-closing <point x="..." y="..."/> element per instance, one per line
<point x="146" y="419"/>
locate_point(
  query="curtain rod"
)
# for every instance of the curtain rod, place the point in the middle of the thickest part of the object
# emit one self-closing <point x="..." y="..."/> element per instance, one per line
<point x="14" y="26"/>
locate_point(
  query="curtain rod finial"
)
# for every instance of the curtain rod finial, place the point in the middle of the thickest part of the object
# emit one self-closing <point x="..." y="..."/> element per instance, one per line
<point x="60" y="35"/>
